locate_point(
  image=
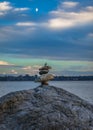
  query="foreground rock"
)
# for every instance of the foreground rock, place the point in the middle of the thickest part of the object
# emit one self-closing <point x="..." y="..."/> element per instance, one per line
<point x="45" y="108"/>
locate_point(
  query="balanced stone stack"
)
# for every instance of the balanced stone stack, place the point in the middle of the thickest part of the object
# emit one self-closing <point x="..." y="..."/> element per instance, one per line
<point x="44" y="75"/>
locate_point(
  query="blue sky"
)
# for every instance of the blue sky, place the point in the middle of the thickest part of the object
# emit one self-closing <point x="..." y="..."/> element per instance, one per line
<point x="59" y="32"/>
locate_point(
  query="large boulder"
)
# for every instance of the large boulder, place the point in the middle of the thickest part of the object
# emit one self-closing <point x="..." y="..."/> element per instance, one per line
<point x="45" y="108"/>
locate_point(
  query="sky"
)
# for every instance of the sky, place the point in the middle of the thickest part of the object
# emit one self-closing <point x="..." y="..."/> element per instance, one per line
<point x="59" y="32"/>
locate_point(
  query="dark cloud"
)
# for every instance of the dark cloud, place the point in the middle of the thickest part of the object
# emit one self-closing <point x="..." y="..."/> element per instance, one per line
<point x="70" y="43"/>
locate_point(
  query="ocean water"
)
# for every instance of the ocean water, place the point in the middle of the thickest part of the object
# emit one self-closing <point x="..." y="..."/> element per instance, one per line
<point x="83" y="89"/>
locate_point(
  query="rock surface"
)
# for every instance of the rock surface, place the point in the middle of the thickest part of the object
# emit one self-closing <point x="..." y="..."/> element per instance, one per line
<point x="45" y="108"/>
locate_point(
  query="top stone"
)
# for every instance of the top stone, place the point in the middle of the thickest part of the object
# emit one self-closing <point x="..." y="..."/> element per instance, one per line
<point x="44" y="69"/>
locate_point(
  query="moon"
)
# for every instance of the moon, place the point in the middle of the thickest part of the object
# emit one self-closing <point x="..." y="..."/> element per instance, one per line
<point x="36" y="9"/>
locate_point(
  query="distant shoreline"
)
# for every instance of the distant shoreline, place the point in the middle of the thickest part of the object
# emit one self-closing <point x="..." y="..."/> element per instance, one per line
<point x="56" y="78"/>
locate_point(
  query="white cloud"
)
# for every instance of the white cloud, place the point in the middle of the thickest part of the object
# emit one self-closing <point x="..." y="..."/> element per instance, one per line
<point x="14" y="72"/>
<point x="21" y="9"/>
<point x="4" y="6"/>
<point x="5" y="63"/>
<point x="69" y="4"/>
<point x="63" y="19"/>
<point x="1" y="13"/>
<point x="25" y="24"/>
<point x="89" y="8"/>
<point x="27" y="68"/>
<point x="7" y="6"/>
<point x="60" y="23"/>
<point x="34" y="68"/>
<point x="31" y="69"/>
<point x="37" y="66"/>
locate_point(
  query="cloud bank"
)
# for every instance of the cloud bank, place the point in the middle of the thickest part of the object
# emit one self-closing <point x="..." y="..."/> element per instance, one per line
<point x="61" y="31"/>
<point x="6" y="7"/>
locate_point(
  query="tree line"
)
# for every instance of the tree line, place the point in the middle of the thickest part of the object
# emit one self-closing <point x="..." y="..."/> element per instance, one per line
<point x="56" y="78"/>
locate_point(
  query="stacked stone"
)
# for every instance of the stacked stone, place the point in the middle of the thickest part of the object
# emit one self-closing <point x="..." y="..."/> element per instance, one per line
<point x="44" y="76"/>
<point x="44" y="69"/>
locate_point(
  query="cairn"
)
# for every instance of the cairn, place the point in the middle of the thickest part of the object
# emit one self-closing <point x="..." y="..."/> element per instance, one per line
<point x="44" y="75"/>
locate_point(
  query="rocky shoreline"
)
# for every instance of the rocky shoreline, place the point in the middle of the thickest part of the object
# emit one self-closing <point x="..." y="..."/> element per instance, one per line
<point x="45" y="108"/>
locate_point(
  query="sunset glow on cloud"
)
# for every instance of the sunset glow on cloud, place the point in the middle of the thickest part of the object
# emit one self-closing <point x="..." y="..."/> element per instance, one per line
<point x="4" y="63"/>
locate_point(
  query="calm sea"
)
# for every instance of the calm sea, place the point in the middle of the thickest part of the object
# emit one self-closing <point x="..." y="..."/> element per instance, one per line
<point x="83" y="89"/>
